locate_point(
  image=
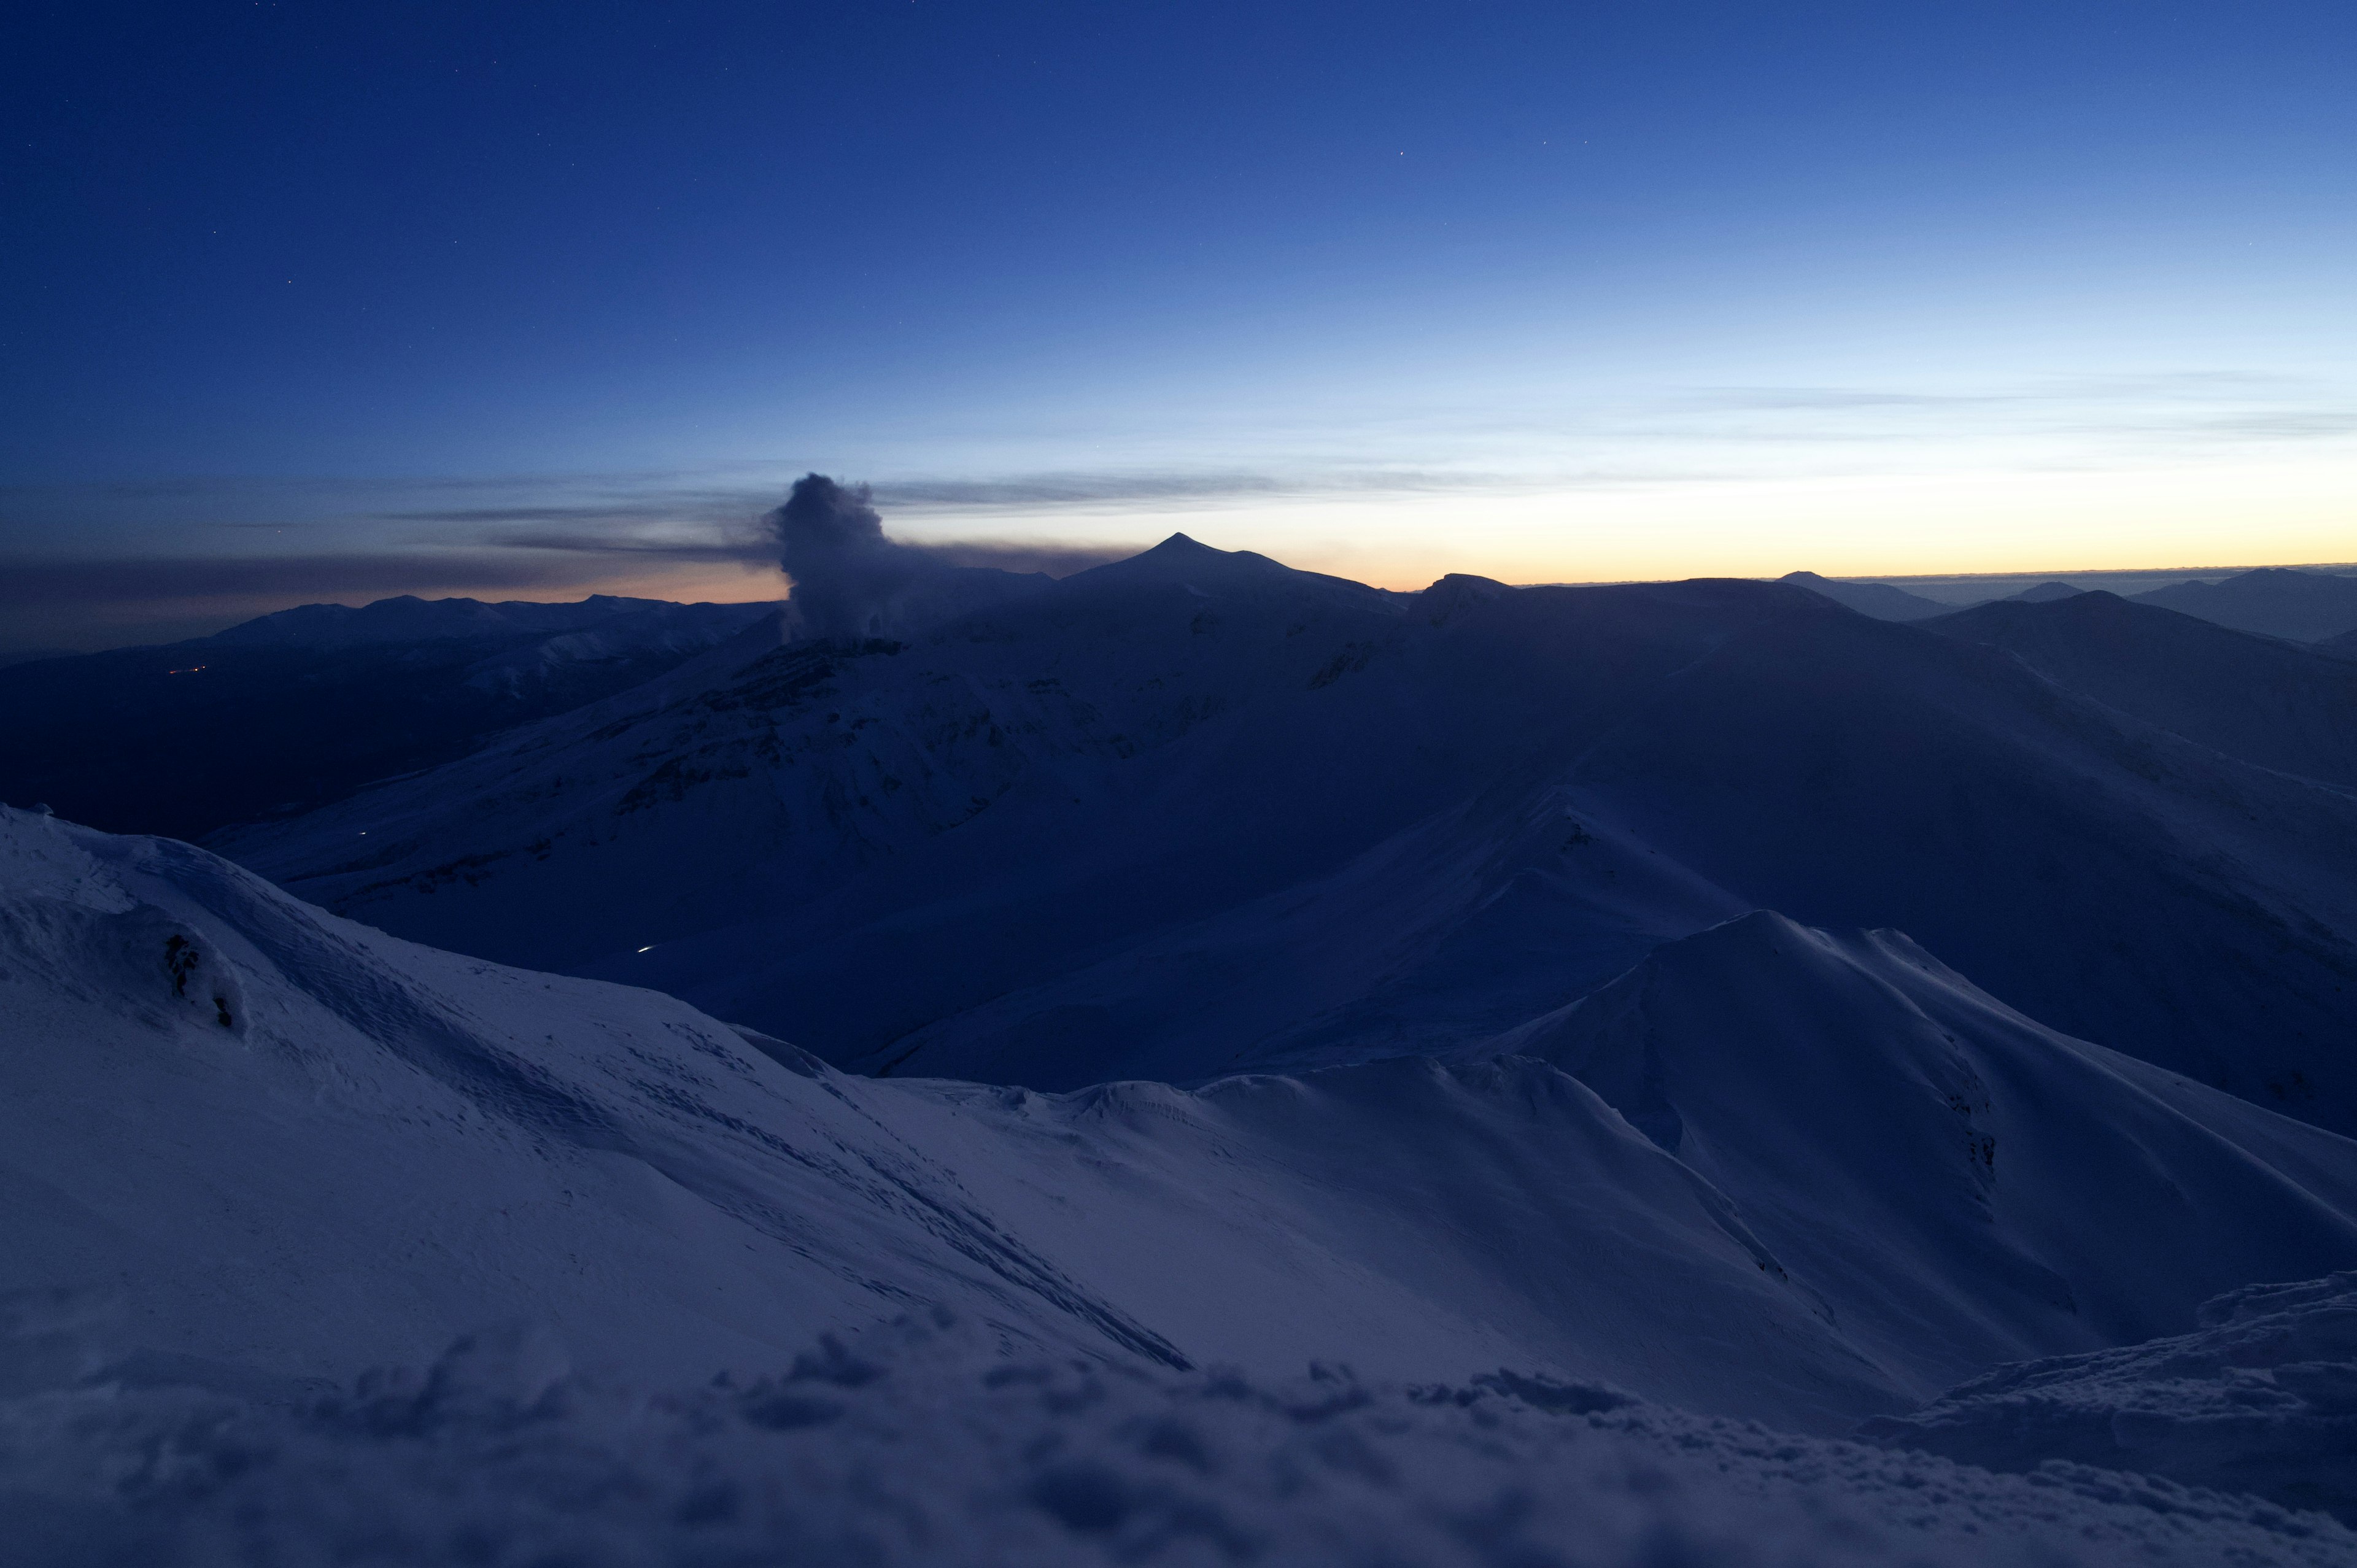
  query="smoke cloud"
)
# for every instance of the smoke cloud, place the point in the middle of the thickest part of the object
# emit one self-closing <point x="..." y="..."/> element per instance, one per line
<point x="852" y="581"/>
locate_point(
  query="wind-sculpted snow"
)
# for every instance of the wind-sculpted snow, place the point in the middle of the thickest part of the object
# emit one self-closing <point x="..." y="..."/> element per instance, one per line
<point x="1194" y="814"/>
<point x="2262" y="1397"/>
<point x="925" y="1444"/>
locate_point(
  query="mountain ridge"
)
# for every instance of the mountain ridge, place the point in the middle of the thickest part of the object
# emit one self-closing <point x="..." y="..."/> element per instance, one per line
<point x="1046" y="816"/>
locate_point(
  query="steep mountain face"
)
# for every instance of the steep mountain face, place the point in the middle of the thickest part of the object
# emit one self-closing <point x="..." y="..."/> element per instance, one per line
<point x="1194" y="813"/>
<point x="2274" y="601"/>
<point x="274" y="1145"/>
<point x="2251" y="697"/>
<point x="2110" y="880"/>
<point x="1879" y="600"/>
<point x="1948" y="1171"/>
<point x="299" y="708"/>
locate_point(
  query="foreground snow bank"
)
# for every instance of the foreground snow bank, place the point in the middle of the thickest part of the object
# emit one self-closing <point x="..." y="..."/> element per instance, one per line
<point x="2262" y="1399"/>
<point x="921" y="1443"/>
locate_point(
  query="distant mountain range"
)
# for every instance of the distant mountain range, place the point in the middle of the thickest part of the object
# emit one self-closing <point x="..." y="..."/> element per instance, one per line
<point x="2274" y="601"/>
<point x="1879" y="600"/>
<point x="297" y="709"/>
<point x="2247" y="696"/>
<point x="2306" y="607"/>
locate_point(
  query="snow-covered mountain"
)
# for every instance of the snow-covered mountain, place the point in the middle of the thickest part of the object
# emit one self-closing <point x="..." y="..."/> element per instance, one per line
<point x="1785" y="1174"/>
<point x="2276" y="601"/>
<point x="305" y="1143"/>
<point x="1770" y="1174"/>
<point x="295" y="709"/>
<point x="1194" y="814"/>
<point x="1947" y="1172"/>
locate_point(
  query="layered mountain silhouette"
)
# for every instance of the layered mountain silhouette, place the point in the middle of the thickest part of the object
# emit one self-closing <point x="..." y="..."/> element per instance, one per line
<point x="1194" y="814"/>
<point x="1881" y="600"/>
<point x="2277" y="601"/>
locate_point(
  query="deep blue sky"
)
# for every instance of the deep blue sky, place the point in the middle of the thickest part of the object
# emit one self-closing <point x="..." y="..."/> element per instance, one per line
<point x="333" y="300"/>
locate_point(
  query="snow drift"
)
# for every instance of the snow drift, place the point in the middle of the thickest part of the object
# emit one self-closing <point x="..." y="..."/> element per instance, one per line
<point x="2262" y="1397"/>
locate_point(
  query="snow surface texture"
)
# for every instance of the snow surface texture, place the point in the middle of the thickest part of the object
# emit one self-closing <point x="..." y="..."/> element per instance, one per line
<point x="920" y="1444"/>
<point x="1194" y="814"/>
<point x="2262" y="1397"/>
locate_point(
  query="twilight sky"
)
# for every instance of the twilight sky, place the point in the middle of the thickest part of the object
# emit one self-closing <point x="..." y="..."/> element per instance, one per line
<point x="335" y="301"/>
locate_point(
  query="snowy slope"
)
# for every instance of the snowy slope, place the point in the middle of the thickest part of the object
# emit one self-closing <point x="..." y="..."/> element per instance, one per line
<point x="384" y="1146"/>
<point x="1194" y="813"/>
<point x="2113" y="881"/>
<point x="1961" y="1183"/>
<point x="2257" y="698"/>
<point x="2262" y="1397"/>
<point x="249" y="1149"/>
<point x="919" y="1446"/>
